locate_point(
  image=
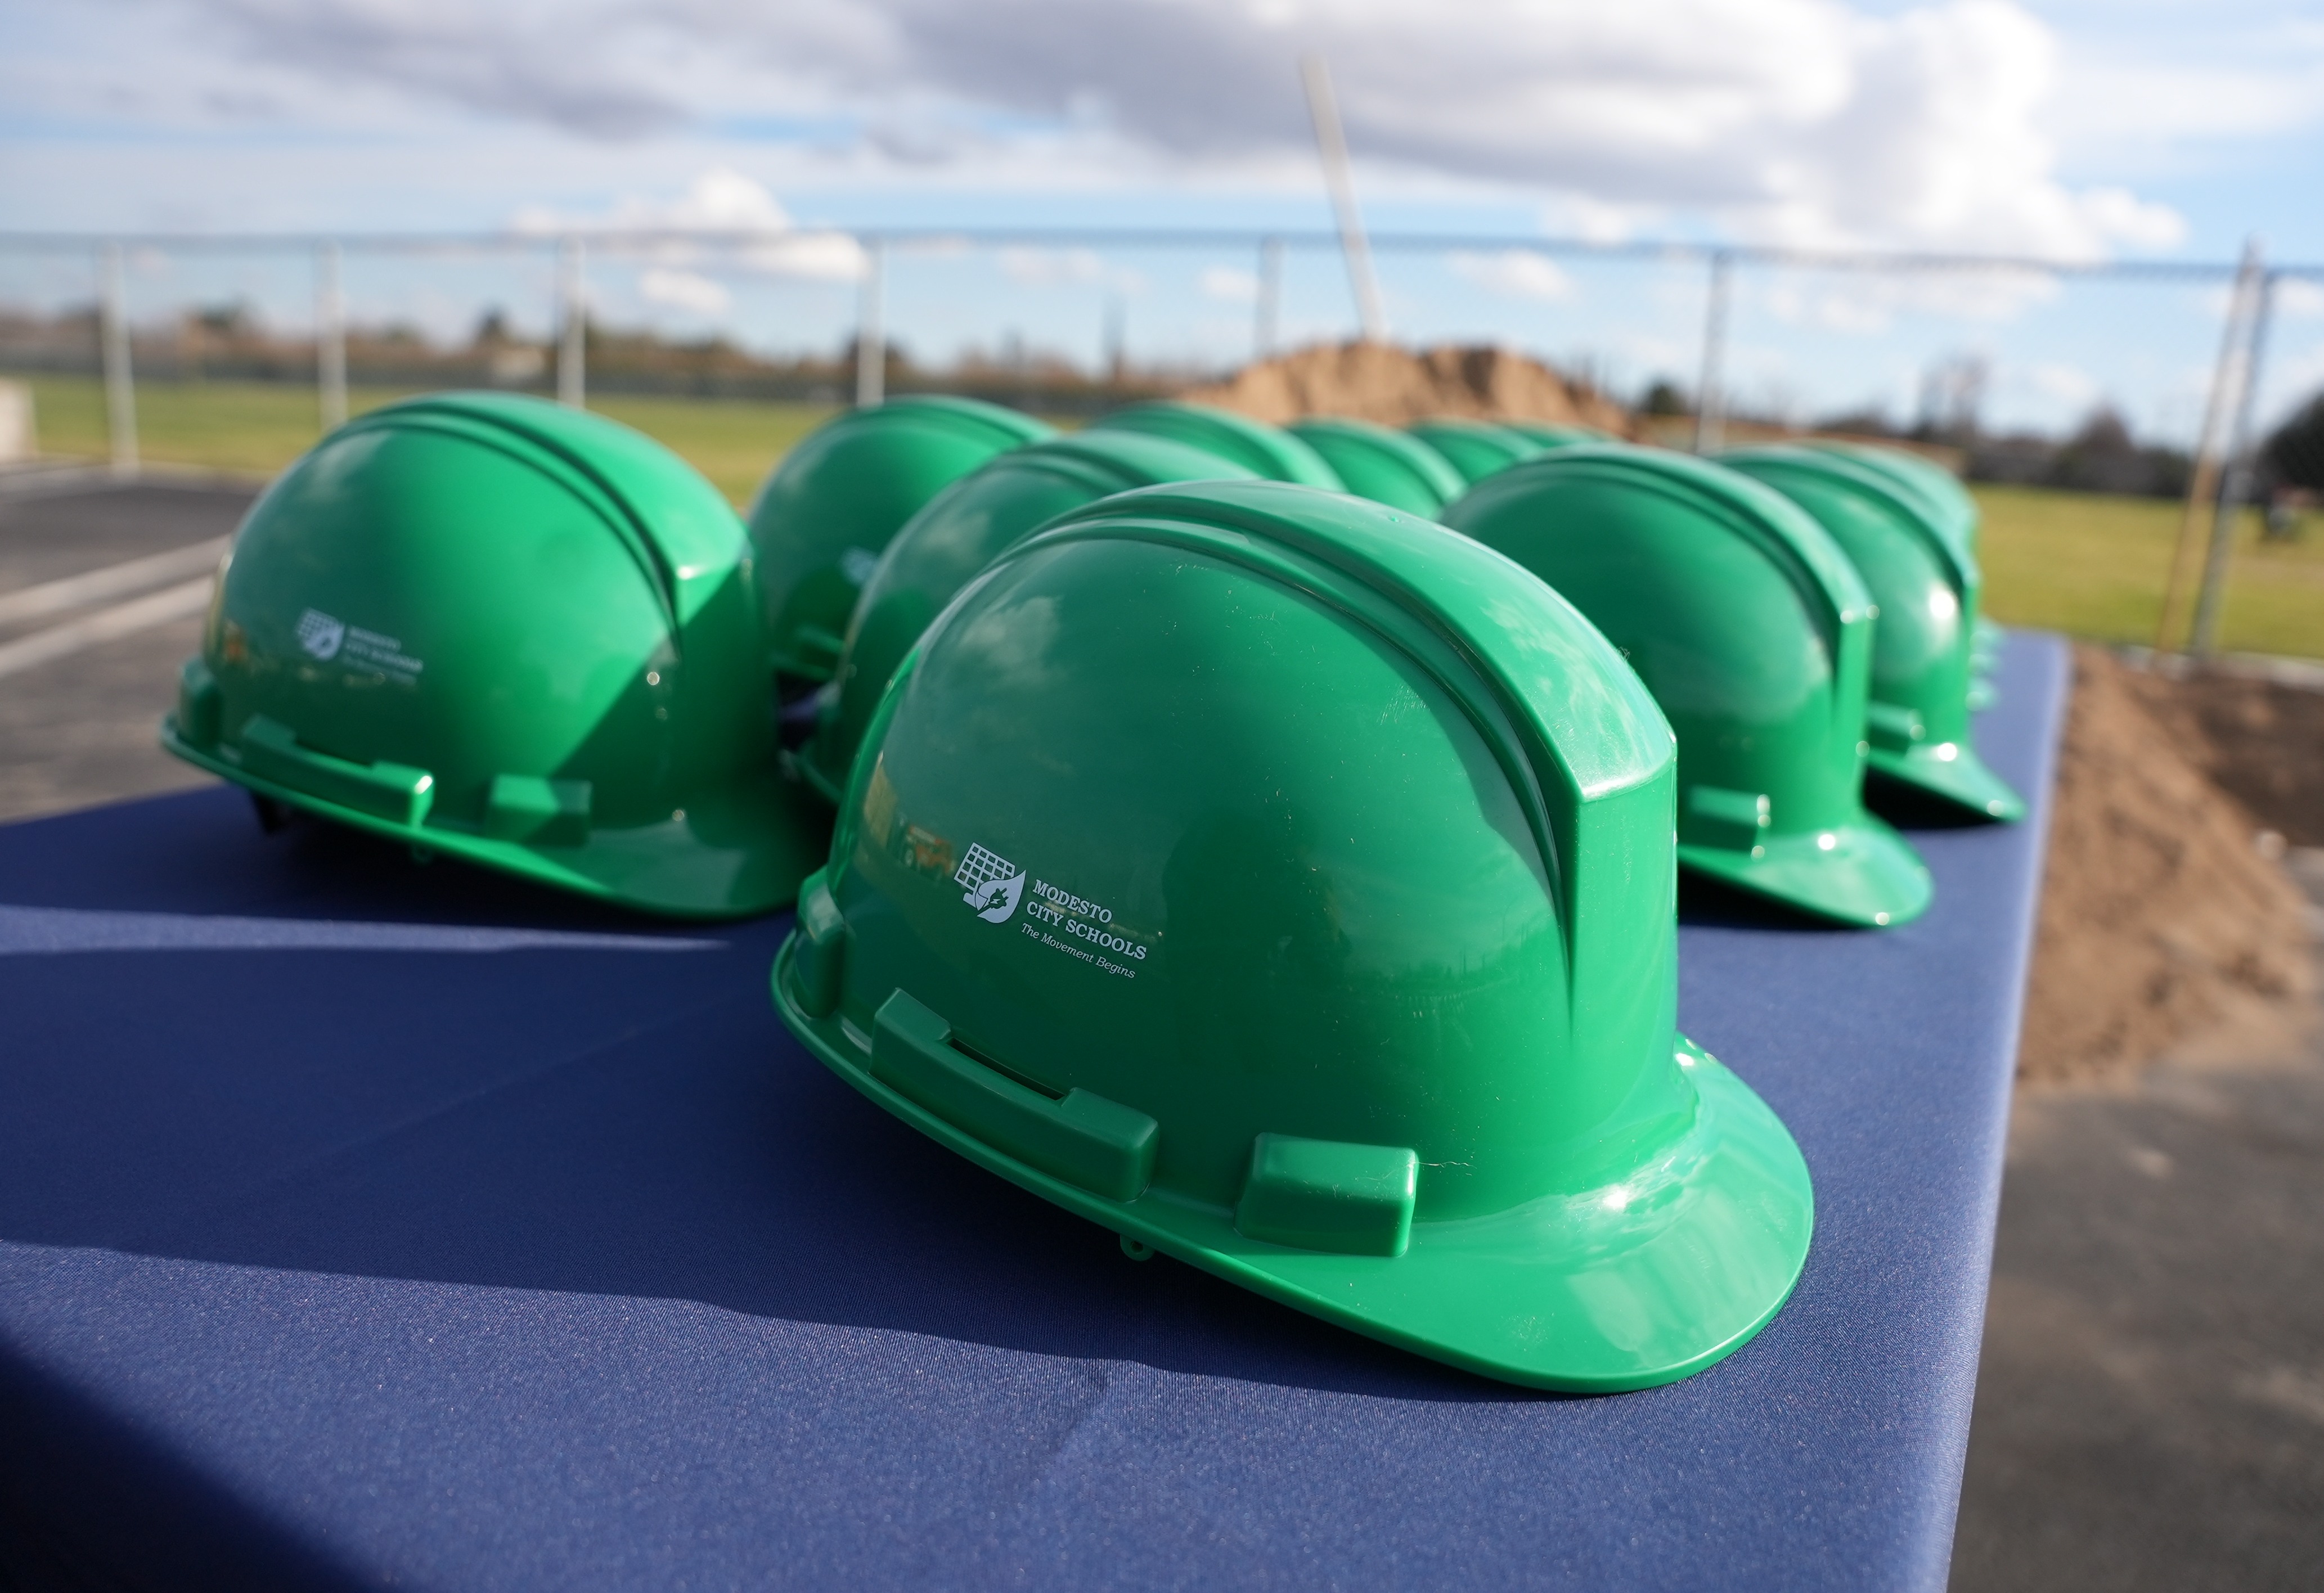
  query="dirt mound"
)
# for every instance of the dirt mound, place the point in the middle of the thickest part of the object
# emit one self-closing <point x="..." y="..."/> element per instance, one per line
<point x="1379" y="382"/>
<point x="2262" y="741"/>
<point x="2162" y="928"/>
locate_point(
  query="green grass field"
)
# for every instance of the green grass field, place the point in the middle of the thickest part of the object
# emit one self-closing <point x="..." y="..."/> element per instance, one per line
<point x="258" y="427"/>
<point x="2080" y="563"/>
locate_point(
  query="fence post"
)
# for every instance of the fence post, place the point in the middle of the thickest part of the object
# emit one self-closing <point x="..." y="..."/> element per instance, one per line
<point x="1270" y="298"/>
<point x="1711" y="396"/>
<point x="330" y="339"/>
<point x="870" y="343"/>
<point x="571" y="379"/>
<point x="112" y="338"/>
<point x="2234" y="482"/>
<point x="2203" y="483"/>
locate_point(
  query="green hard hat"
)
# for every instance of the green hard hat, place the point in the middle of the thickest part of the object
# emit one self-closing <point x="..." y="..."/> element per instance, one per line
<point x="1476" y="448"/>
<point x="821" y="520"/>
<point x="1755" y="634"/>
<point x="1384" y="464"/>
<point x="1285" y="883"/>
<point x="1550" y="434"/>
<point x="944" y="546"/>
<point x="516" y="633"/>
<point x="1952" y="511"/>
<point x="1267" y="451"/>
<point x="1925" y="588"/>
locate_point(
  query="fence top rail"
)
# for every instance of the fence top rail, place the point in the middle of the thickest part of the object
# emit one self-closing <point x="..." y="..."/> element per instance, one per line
<point x="942" y="239"/>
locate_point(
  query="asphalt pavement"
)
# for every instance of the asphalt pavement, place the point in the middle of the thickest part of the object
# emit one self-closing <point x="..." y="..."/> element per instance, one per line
<point x="2150" y="1408"/>
<point x="78" y="727"/>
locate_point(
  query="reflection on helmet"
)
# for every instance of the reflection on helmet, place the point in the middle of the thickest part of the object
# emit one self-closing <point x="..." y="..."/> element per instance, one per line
<point x="1385" y="466"/>
<point x="1954" y="514"/>
<point x="821" y="521"/>
<point x="958" y="534"/>
<point x="1754" y="633"/>
<point x="1285" y="883"/>
<point x="1550" y="434"/>
<point x="1267" y="451"/>
<point x="1476" y="448"/>
<point x="514" y="632"/>
<point x="1926" y="589"/>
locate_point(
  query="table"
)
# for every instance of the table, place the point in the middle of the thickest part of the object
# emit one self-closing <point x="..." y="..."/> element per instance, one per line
<point x="367" y="1222"/>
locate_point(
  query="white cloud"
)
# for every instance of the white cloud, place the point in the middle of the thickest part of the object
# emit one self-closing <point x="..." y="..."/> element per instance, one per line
<point x="1225" y="282"/>
<point x="1515" y="274"/>
<point x="2120" y="215"/>
<point x="1595" y="221"/>
<point x="2298" y="298"/>
<point x="717" y="201"/>
<point x="1057" y="268"/>
<point x="2068" y="384"/>
<point x="683" y="289"/>
<point x="1798" y="121"/>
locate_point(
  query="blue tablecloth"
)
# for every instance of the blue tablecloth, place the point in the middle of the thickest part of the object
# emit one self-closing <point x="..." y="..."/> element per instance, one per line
<point x="366" y="1223"/>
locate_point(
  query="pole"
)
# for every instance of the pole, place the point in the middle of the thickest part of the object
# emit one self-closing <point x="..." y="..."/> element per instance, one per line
<point x="871" y="344"/>
<point x="1711" y="396"/>
<point x="2235" y="481"/>
<point x="120" y="386"/>
<point x="330" y="339"/>
<point x="572" y="346"/>
<point x="1271" y="298"/>
<point x="2203" y="487"/>
<point x="1116" y="339"/>
<point x="1331" y="143"/>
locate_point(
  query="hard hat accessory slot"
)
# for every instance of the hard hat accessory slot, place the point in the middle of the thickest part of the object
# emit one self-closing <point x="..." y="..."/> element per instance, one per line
<point x="1101" y="1145"/>
<point x="392" y="791"/>
<point x="1323" y="1194"/>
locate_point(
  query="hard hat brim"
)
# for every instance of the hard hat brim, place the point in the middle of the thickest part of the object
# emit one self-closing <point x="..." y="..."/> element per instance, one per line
<point x="742" y="860"/>
<point x="1955" y="774"/>
<point x="1867" y="875"/>
<point x="1627" y="1285"/>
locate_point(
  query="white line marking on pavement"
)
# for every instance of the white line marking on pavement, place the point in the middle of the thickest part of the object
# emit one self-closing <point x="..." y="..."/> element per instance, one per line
<point x="113" y="581"/>
<point x="42" y="647"/>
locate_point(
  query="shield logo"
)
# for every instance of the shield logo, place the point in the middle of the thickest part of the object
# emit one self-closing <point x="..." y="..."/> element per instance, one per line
<point x="320" y="634"/>
<point x="994" y="884"/>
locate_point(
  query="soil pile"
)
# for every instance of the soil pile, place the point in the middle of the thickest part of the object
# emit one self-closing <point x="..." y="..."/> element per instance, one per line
<point x="2259" y="740"/>
<point x="1379" y="382"/>
<point x="2162" y="926"/>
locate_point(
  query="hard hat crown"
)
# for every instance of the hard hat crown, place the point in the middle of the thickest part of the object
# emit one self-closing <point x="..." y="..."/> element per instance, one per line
<point x="962" y="530"/>
<point x="1287" y="883"/>
<point x="1926" y="587"/>
<point x="519" y="633"/>
<point x="1753" y="631"/>
<point x="1476" y="448"/>
<point x="1384" y="464"/>
<point x="821" y="520"/>
<point x="1558" y="435"/>
<point x="1267" y="451"/>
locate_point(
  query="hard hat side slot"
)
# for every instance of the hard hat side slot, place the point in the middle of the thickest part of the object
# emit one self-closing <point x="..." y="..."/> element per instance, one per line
<point x="392" y="791"/>
<point x="1891" y="727"/>
<point x="1102" y="1146"/>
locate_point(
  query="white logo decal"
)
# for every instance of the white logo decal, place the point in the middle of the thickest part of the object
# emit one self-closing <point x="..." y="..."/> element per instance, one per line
<point x="994" y="884"/>
<point x="320" y="634"/>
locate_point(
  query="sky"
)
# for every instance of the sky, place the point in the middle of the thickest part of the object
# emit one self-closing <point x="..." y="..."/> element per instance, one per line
<point x="2072" y="131"/>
